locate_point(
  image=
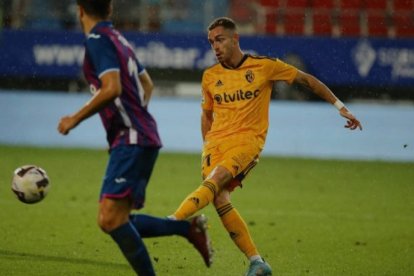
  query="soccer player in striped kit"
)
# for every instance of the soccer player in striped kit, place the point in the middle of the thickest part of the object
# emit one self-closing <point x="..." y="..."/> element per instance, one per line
<point x="121" y="90"/>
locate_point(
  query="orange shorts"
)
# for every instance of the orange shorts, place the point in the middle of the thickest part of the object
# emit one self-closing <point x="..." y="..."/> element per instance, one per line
<point x="238" y="155"/>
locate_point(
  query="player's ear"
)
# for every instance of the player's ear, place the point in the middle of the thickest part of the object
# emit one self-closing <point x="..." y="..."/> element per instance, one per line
<point x="81" y="11"/>
<point x="110" y="10"/>
<point x="236" y="38"/>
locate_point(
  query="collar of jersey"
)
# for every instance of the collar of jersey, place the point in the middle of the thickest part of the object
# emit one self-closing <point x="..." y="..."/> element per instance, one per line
<point x="245" y="56"/>
<point x="101" y="24"/>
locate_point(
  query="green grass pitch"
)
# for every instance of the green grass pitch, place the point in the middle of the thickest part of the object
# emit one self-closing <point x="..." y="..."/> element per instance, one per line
<point x="307" y="217"/>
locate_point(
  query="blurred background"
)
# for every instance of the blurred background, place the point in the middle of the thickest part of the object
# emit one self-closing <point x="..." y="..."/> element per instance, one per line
<point x="362" y="49"/>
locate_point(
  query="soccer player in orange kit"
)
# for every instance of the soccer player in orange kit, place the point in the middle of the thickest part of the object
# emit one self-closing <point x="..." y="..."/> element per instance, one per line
<point x="236" y="93"/>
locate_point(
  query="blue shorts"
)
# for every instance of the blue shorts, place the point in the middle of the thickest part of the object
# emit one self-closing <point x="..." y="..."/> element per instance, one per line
<point x="128" y="172"/>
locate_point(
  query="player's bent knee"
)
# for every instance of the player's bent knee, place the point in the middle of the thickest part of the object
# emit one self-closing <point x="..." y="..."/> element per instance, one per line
<point x="110" y="223"/>
<point x="221" y="176"/>
<point x="222" y="199"/>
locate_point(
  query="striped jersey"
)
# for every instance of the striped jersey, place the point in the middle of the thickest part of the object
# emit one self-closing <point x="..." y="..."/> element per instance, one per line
<point x="126" y="119"/>
<point x="239" y="97"/>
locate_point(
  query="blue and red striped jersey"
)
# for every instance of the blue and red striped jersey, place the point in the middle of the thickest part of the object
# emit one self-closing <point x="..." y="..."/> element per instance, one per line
<point x="126" y="119"/>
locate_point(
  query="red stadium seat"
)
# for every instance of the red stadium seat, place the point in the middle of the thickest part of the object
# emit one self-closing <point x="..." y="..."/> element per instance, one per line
<point x="403" y="5"/>
<point x="322" y="4"/>
<point x="323" y="16"/>
<point x="377" y="23"/>
<point x="404" y="24"/>
<point x="270" y="3"/>
<point x="349" y="24"/>
<point x="376" y="5"/>
<point x="271" y="11"/>
<point x="351" y="4"/>
<point x="271" y="22"/>
<point x="350" y="17"/>
<point x="294" y="23"/>
<point x="297" y="3"/>
<point x="322" y="23"/>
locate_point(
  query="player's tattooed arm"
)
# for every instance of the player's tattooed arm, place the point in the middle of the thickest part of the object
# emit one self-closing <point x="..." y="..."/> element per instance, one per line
<point x="319" y="88"/>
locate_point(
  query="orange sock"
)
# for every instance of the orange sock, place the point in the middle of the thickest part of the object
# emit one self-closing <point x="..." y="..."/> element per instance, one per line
<point x="237" y="229"/>
<point x="197" y="200"/>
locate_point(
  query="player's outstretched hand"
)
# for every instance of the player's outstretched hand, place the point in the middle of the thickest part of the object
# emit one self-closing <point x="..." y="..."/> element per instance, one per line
<point x="352" y="122"/>
<point x="66" y="124"/>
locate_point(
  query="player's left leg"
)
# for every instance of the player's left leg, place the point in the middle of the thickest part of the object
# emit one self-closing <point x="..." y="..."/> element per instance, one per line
<point x="194" y="230"/>
<point x="124" y="189"/>
<point x="239" y="233"/>
<point x="235" y="225"/>
<point x="113" y="219"/>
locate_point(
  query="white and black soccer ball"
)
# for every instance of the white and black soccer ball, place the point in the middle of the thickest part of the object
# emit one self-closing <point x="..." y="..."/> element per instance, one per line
<point x="30" y="184"/>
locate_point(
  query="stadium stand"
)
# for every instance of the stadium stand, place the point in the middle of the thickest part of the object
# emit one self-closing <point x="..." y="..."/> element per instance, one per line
<point x="270" y="13"/>
<point x="350" y="20"/>
<point x="346" y="18"/>
<point x="324" y="22"/>
<point x="329" y="18"/>
<point x="403" y="17"/>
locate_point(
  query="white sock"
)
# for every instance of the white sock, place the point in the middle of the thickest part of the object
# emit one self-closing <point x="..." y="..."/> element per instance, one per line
<point x="256" y="258"/>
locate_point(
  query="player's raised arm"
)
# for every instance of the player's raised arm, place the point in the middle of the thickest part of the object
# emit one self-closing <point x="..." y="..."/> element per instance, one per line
<point x="320" y="89"/>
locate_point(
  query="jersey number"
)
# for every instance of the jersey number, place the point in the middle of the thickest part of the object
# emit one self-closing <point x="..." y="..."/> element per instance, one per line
<point x="133" y="72"/>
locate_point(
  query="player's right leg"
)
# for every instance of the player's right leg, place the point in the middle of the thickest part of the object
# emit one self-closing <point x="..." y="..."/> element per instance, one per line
<point x="204" y="194"/>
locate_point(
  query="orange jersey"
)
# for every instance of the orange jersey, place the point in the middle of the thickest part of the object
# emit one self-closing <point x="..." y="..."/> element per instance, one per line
<point x="240" y="97"/>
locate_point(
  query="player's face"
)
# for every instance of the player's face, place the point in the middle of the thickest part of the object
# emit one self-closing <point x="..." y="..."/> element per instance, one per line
<point x="223" y="43"/>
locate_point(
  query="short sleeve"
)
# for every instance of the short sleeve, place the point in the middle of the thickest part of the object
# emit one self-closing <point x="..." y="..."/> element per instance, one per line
<point x="281" y="71"/>
<point x="103" y="54"/>
<point x="206" y="99"/>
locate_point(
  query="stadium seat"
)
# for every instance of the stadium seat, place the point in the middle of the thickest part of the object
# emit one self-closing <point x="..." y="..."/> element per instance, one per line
<point x="322" y="23"/>
<point x="351" y="4"/>
<point x="270" y="3"/>
<point x="271" y="12"/>
<point x="349" y="24"/>
<point x="294" y="23"/>
<point x="296" y="4"/>
<point x="404" y="24"/>
<point x="380" y="5"/>
<point x="403" y="5"/>
<point x="271" y="22"/>
<point x="294" y="16"/>
<point x="350" y="17"/>
<point x="377" y="23"/>
<point x="323" y="12"/>
<point x="322" y="4"/>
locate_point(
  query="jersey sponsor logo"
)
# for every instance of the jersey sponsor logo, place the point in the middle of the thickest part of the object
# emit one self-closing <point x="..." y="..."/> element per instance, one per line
<point x="239" y="95"/>
<point x="249" y="76"/>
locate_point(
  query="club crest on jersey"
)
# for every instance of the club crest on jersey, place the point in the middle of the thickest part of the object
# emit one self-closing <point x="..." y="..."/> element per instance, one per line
<point x="249" y="76"/>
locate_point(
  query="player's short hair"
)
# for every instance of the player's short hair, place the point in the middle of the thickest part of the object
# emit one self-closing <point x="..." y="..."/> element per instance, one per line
<point x="225" y="22"/>
<point x="97" y="8"/>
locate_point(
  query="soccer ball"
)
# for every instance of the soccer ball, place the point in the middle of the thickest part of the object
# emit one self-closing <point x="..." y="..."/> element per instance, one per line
<point x="30" y="184"/>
